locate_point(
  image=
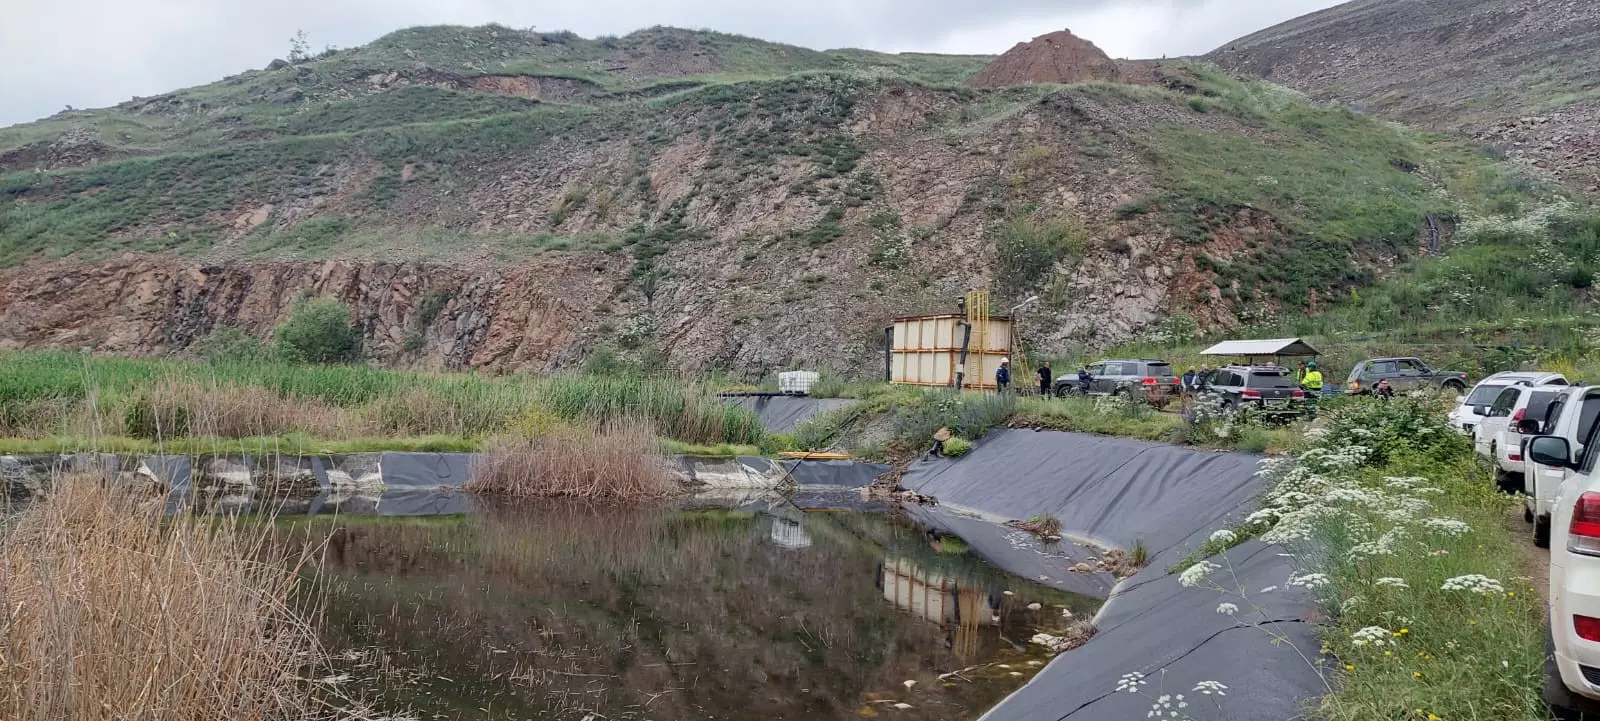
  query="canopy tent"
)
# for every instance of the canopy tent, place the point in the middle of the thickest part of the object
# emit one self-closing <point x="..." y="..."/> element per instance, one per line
<point x="1253" y="349"/>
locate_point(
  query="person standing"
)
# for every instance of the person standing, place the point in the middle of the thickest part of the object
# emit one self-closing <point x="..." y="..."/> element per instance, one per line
<point x="1383" y="391"/>
<point x="1084" y="379"/>
<point x="1311" y="379"/>
<point x="1188" y="382"/>
<point x="1002" y="375"/>
<point x="1046" y="379"/>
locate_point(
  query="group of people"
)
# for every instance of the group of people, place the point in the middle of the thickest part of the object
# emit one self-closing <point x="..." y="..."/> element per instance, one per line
<point x="1047" y="378"/>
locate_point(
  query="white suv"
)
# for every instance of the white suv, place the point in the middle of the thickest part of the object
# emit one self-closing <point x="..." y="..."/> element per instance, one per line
<point x="1498" y="435"/>
<point x="1465" y="416"/>
<point x="1572" y="416"/>
<point x="1574" y="576"/>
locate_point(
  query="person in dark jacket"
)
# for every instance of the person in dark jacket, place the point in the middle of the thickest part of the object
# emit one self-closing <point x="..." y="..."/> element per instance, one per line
<point x="1046" y="379"/>
<point x="1002" y="375"/>
<point x="1383" y="391"/>
<point x="1084" y="379"/>
<point x="1188" y="382"/>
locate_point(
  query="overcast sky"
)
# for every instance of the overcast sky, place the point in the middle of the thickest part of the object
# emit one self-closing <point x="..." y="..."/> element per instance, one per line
<point x="93" y="53"/>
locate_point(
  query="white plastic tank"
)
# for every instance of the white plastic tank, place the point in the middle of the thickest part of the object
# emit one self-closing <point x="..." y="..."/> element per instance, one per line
<point x="797" y="382"/>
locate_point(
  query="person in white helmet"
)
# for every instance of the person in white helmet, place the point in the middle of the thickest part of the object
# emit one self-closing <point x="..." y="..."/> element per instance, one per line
<point x="1002" y="375"/>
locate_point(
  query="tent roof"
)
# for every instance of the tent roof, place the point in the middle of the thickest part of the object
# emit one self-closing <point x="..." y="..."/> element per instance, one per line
<point x="1279" y="346"/>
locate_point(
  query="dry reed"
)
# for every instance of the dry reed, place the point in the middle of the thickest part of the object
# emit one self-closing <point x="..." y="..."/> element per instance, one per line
<point x="178" y="407"/>
<point x="110" y="612"/>
<point x="617" y="462"/>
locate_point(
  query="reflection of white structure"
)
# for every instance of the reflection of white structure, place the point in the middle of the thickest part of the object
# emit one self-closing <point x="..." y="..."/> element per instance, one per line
<point x="960" y="608"/>
<point x="788" y="533"/>
<point x="932" y="596"/>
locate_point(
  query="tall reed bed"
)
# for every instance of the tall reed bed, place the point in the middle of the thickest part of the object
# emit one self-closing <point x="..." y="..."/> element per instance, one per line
<point x="110" y="612"/>
<point x="616" y="462"/>
<point x="674" y="408"/>
<point x="54" y="394"/>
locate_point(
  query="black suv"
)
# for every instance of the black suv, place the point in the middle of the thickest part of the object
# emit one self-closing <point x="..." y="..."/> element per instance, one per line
<point x="1264" y="389"/>
<point x="1124" y="377"/>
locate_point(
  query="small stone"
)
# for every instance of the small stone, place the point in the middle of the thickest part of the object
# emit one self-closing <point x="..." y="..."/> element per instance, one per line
<point x="909" y="683"/>
<point x="1008" y="593"/>
<point x="1035" y="606"/>
<point x="902" y="706"/>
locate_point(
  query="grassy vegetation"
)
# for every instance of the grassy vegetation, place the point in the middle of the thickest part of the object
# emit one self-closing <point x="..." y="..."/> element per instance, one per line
<point x="1431" y="608"/>
<point x="116" y="612"/>
<point x="53" y="400"/>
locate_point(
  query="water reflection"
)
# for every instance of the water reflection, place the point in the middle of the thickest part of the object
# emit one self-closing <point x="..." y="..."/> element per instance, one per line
<point x="562" y="611"/>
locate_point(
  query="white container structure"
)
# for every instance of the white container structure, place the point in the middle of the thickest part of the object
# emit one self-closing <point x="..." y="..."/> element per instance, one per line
<point x="797" y="382"/>
<point x="926" y="351"/>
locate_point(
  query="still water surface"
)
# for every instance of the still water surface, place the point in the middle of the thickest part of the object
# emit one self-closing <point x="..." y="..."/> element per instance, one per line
<point x="560" y="611"/>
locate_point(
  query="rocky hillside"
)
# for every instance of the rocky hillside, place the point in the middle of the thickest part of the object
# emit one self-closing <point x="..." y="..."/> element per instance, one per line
<point x="734" y="222"/>
<point x="1520" y="75"/>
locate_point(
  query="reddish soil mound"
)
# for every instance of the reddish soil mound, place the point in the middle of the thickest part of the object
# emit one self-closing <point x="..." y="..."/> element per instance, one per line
<point x="1059" y="57"/>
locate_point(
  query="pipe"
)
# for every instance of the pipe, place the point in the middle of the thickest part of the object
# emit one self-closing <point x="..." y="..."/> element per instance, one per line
<point x="961" y="369"/>
<point x="888" y="354"/>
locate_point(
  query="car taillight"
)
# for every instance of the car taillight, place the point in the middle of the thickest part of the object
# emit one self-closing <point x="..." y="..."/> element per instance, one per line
<point x="1355" y="385"/>
<point x="1516" y="417"/>
<point x="1249" y="394"/>
<point x="1150" y="381"/>
<point x="1588" y="628"/>
<point x="1298" y="394"/>
<point x="1583" y="536"/>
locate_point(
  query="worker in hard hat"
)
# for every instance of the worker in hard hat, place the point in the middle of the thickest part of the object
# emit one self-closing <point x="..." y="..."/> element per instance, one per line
<point x="1002" y="375"/>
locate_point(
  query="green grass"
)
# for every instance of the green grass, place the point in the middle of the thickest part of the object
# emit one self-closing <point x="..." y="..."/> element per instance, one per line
<point x="260" y="445"/>
<point x="55" y="395"/>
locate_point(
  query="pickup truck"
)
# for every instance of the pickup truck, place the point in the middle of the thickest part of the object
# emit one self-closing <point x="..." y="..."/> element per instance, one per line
<point x="1403" y="374"/>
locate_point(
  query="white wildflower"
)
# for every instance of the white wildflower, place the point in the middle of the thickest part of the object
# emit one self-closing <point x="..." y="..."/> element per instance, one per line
<point x="1130" y="682"/>
<point x="1210" y="688"/>
<point x="1474" y="582"/>
<point x="1371" y="636"/>
<point x="1310" y="580"/>
<point x="1227" y="609"/>
<point x="1446" y="526"/>
<point x="1196" y="573"/>
<point x="1391" y="582"/>
<point x="1350" y="604"/>
<point x="1224" y="536"/>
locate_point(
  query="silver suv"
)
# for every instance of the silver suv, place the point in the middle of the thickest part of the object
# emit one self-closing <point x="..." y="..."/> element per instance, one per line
<point x="1153" y="378"/>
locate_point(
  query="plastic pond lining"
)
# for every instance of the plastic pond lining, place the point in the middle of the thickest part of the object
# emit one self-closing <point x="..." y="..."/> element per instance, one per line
<point x="1117" y="492"/>
<point x="782" y="414"/>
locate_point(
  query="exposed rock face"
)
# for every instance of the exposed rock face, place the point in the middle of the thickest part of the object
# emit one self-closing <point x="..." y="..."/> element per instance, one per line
<point x="529" y="317"/>
<point x="1057" y="58"/>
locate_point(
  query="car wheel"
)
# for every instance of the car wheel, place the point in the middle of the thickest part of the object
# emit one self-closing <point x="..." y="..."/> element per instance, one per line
<point x="1454" y="387"/>
<point x="1508" y="483"/>
<point x="1541" y="532"/>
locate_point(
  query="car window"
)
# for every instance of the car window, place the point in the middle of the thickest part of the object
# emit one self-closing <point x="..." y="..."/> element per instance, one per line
<point x="1504" y="402"/>
<point x="1484" y="394"/>
<point x="1411" y="366"/>
<point x="1098" y="369"/>
<point x="1539" y="403"/>
<point x="1586" y="418"/>
<point x="1553" y="412"/>
<point x="1586" y="431"/>
<point x="1381" y="368"/>
<point x="1159" y="370"/>
<point x="1270" y="380"/>
<point x="1557" y="382"/>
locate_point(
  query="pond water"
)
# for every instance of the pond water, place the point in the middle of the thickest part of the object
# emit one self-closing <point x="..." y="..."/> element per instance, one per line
<point x="561" y="611"/>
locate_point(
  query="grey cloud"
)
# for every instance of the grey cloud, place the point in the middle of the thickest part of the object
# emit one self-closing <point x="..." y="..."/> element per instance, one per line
<point x="91" y="53"/>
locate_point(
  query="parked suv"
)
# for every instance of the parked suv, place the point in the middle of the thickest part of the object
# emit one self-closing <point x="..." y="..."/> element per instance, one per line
<point x="1266" y="389"/>
<point x="1572" y="416"/>
<point x="1498" y="435"/>
<point x="1466" y="416"/>
<point x="1572" y="669"/>
<point x="1122" y="377"/>
<point x="1403" y="374"/>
